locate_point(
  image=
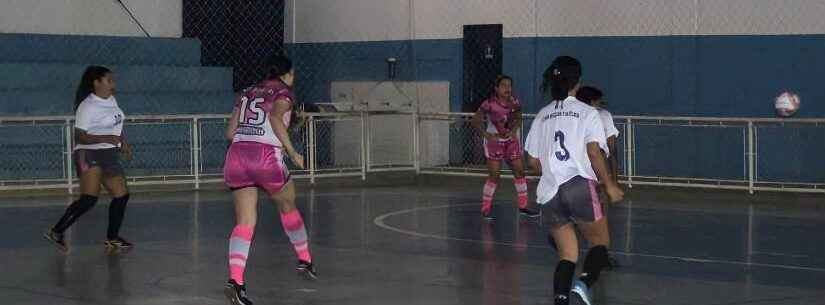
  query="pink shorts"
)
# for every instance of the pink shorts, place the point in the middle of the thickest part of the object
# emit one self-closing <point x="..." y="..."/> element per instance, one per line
<point x="502" y="150"/>
<point x="252" y="164"/>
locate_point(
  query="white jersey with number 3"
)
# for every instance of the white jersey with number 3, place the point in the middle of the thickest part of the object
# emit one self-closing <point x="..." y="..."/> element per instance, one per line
<point x="558" y="138"/>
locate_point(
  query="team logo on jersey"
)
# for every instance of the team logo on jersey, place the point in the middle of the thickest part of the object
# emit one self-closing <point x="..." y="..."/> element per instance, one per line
<point x="118" y="119"/>
<point x="248" y="130"/>
<point x="562" y="113"/>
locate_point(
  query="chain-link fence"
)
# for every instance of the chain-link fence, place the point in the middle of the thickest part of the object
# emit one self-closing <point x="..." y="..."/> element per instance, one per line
<point x="363" y="66"/>
<point x="237" y="34"/>
<point x="33" y="152"/>
<point x="339" y="146"/>
<point x="799" y="163"/>
<point x="727" y="153"/>
<point x="207" y="51"/>
<point x="170" y="149"/>
<point x="391" y="140"/>
<point x="732" y="153"/>
<point x="450" y="144"/>
<point x="689" y="151"/>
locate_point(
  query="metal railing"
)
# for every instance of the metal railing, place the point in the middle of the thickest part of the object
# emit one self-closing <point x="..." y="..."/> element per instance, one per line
<point x="707" y="152"/>
<point x="752" y="154"/>
<point x="172" y="149"/>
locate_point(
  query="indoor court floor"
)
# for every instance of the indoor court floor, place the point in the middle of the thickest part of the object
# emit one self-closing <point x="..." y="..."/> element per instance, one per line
<point x="421" y="243"/>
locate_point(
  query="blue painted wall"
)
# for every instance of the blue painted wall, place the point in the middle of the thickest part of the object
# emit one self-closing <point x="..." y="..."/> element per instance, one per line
<point x="683" y="75"/>
<point x="730" y="76"/>
<point x="727" y="76"/>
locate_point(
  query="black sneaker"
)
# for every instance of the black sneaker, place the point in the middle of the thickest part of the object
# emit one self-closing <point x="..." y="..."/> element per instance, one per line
<point x="236" y="293"/>
<point x="307" y="269"/>
<point x="529" y="213"/>
<point x="56" y="239"/>
<point x="118" y="244"/>
<point x="487" y="215"/>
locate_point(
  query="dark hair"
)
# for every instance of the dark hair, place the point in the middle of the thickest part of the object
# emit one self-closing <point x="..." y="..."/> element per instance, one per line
<point x="87" y="83"/>
<point x="561" y="76"/>
<point x="502" y="78"/>
<point x="277" y="66"/>
<point x="588" y="94"/>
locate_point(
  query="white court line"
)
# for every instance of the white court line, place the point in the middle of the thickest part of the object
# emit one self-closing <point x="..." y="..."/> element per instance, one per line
<point x="380" y="222"/>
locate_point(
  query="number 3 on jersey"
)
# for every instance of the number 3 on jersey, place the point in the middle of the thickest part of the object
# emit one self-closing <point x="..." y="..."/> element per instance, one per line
<point x="564" y="154"/>
<point x="258" y="117"/>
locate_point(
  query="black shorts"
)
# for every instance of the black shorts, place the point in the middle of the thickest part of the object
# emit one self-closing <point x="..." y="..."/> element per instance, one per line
<point x="577" y="201"/>
<point x="107" y="159"/>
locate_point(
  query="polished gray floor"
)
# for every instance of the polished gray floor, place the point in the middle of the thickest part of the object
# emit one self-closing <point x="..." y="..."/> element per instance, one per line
<point x="420" y="243"/>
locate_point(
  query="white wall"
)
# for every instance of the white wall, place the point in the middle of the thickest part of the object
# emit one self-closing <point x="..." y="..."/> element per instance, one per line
<point x="439" y="19"/>
<point x="371" y="20"/>
<point x="161" y="18"/>
<point x="347" y="20"/>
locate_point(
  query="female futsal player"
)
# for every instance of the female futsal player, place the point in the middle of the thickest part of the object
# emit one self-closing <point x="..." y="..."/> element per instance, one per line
<point x="99" y="136"/>
<point x="502" y="112"/>
<point x="565" y="145"/>
<point x="593" y="97"/>
<point x="258" y="129"/>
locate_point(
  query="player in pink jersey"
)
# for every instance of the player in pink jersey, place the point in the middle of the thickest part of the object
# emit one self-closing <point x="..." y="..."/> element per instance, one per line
<point x="258" y="129"/>
<point x="502" y="112"/>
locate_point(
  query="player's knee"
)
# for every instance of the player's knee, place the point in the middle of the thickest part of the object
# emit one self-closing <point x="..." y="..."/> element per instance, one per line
<point x="495" y="177"/>
<point x="568" y="254"/>
<point x="599" y="234"/>
<point x="605" y="241"/>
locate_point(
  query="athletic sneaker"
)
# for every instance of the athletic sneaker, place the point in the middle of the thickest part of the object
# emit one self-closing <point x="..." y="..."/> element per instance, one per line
<point x="56" y="239"/>
<point x="307" y="269"/>
<point x="236" y="293"/>
<point x="529" y="213"/>
<point x="581" y="292"/>
<point x="487" y="215"/>
<point x="118" y="243"/>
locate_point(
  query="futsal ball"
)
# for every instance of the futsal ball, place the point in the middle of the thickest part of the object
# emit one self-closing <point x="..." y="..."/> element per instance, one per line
<point x="786" y="104"/>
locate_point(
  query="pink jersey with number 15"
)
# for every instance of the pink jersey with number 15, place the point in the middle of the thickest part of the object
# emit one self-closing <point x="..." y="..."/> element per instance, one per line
<point x="256" y="104"/>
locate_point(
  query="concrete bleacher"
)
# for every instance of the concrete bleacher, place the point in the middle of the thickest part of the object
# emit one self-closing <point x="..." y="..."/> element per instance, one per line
<point x="40" y="73"/>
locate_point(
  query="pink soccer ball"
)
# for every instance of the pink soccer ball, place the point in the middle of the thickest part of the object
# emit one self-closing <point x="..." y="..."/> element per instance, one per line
<point x="786" y="104"/>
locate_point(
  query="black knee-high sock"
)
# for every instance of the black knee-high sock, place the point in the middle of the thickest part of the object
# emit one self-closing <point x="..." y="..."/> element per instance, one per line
<point x="117" y="209"/>
<point x="562" y="281"/>
<point x="594" y="263"/>
<point x="74" y="211"/>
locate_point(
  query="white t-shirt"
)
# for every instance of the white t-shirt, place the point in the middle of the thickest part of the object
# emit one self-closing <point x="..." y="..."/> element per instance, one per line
<point x="558" y="138"/>
<point x="610" y="129"/>
<point x="98" y="116"/>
